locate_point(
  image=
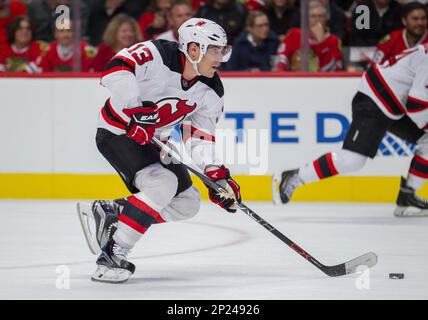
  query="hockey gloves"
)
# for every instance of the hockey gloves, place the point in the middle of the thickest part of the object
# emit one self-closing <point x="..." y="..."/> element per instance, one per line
<point x="141" y="126"/>
<point x="221" y="175"/>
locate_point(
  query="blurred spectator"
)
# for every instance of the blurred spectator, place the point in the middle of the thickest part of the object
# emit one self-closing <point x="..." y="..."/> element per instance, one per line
<point x="255" y="4"/>
<point x="344" y="4"/>
<point x="43" y="16"/>
<point x="154" y="21"/>
<point x="384" y="18"/>
<point x="230" y="14"/>
<point x="122" y="32"/>
<point x="283" y="15"/>
<point x="9" y="10"/>
<point x="255" y="48"/>
<point x="59" y="57"/>
<point x="325" y="52"/>
<point x="403" y="2"/>
<point x="336" y="18"/>
<point x="180" y="11"/>
<point x="196" y="4"/>
<point x="20" y="53"/>
<point x="135" y="8"/>
<point x="101" y="12"/>
<point x="414" y="33"/>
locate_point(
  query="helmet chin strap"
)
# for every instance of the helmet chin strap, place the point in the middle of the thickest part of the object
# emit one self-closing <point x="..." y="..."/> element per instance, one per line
<point x="195" y="67"/>
<point x="194" y="63"/>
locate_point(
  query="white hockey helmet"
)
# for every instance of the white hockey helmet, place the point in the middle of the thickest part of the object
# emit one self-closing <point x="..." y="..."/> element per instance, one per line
<point x="204" y="32"/>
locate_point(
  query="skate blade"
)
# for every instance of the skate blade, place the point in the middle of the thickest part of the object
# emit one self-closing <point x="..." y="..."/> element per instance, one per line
<point x="402" y="212"/>
<point x="110" y="275"/>
<point x="84" y="212"/>
<point x="276" y="180"/>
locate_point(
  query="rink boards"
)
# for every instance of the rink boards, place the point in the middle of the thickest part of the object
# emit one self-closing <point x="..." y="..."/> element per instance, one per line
<point x="271" y="123"/>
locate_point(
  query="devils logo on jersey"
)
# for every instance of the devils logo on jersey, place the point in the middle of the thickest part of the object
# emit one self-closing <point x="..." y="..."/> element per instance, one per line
<point x="173" y="110"/>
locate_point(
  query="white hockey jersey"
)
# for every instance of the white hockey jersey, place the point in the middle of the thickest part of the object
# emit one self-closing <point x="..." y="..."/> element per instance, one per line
<point x="400" y="85"/>
<point x="152" y="71"/>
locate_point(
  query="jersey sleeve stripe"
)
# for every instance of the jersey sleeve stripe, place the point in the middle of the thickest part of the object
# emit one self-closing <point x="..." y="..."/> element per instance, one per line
<point x="382" y="91"/>
<point x="416" y="105"/>
<point x="116" y="69"/>
<point x="114" y="114"/>
<point x="119" y="63"/>
<point x="130" y="62"/>
<point x="110" y="121"/>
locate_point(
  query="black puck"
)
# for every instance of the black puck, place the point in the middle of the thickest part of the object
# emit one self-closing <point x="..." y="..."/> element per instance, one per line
<point x="396" y="275"/>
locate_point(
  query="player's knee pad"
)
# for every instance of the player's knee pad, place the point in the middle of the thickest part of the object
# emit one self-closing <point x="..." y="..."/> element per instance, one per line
<point x="422" y="146"/>
<point x="348" y="161"/>
<point x="158" y="185"/>
<point x="183" y="206"/>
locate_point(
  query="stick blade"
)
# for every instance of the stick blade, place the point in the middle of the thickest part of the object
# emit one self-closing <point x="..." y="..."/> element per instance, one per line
<point x="367" y="260"/>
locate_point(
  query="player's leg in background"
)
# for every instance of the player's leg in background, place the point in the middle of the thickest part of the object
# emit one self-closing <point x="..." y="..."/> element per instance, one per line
<point x="366" y="131"/>
<point x="408" y="203"/>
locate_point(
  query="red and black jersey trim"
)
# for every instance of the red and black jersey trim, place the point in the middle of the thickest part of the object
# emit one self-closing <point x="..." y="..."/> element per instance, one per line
<point x="111" y="117"/>
<point x="416" y="105"/>
<point x="214" y="83"/>
<point x="188" y="131"/>
<point x="383" y="92"/>
<point x="324" y="166"/>
<point x="419" y="167"/>
<point x="119" y="63"/>
<point x="172" y="57"/>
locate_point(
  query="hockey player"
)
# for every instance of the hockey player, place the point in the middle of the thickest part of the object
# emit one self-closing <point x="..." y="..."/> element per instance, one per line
<point x="391" y="97"/>
<point x="154" y="86"/>
<point x="415" y="33"/>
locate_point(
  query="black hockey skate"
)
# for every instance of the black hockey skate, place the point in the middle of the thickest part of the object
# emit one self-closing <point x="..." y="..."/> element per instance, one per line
<point x="284" y="184"/>
<point x="113" y="267"/>
<point x="408" y="203"/>
<point x="103" y="214"/>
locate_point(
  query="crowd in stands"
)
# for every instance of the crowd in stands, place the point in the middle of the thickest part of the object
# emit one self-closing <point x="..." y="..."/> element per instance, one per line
<point x="265" y="34"/>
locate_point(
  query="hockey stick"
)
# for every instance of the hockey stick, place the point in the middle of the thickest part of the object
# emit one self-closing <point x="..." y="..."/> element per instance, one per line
<point x="366" y="260"/>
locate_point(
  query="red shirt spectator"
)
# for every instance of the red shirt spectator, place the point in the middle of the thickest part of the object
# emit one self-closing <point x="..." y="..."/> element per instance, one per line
<point x="20" y="53"/>
<point x="104" y="54"/>
<point x="27" y="59"/>
<point x="122" y="32"/>
<point x="255" y="4"/>
<point x="325" y="56"/>
<point x="196" y="4"/>
<point x="8" y="12"/>
<point x="59" y="57"/>
<point x="415" y="32"/>
<point x="395" y="43"/>
<point x="154" y="21"/>
<point x="325" y="52"/>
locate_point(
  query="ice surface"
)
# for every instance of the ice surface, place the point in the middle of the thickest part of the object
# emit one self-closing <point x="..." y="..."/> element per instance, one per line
<point x="217" y="255"/>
